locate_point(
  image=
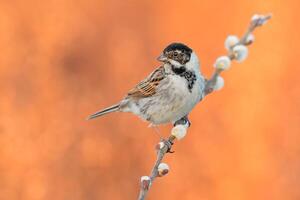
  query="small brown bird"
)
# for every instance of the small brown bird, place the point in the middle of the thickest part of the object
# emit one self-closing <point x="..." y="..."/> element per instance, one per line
<point x="169" y="93"/>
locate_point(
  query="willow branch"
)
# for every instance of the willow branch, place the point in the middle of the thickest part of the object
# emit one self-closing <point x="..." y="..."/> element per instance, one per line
<point x="257" y="21"/>
<point x="236" y="51"/>
<point x="162" y="148"/>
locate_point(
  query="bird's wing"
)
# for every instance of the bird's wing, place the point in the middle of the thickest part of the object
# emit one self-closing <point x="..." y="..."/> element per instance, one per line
<point x="147" y="87"/>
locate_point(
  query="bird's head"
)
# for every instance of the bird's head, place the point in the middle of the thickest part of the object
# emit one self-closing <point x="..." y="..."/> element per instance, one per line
<point x="179" y="55"/>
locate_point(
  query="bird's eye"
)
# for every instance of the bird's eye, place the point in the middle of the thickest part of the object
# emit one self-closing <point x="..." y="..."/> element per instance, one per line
<point x="175" y="54"/>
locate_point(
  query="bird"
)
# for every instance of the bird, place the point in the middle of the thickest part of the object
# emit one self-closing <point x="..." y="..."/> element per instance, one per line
<point x="169" y="93"/>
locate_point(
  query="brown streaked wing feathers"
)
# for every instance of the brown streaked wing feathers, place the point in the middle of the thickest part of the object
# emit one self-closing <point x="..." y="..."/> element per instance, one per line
<point x="147" y="87"/>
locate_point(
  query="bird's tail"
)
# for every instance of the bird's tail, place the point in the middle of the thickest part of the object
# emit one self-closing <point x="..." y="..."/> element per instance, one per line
<point x="110" y="109"/>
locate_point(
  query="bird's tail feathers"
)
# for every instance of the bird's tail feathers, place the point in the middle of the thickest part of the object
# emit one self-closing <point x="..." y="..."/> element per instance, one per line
<point x="110" y="109"/>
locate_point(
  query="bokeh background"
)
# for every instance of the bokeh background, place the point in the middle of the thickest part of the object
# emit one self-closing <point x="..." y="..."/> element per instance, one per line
<point x="61" y="60"/>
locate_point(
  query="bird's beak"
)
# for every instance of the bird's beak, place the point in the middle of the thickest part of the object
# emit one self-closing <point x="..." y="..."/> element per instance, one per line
<point x="162" y="58"/>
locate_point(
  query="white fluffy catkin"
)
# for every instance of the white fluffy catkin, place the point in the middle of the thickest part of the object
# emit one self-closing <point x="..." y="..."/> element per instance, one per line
<point x="179" y="131"/>
<point x="219" y="83"/>
<point x="240" y="52"/>
<point x="223" y="63"/>
<point x="231" y="41"/>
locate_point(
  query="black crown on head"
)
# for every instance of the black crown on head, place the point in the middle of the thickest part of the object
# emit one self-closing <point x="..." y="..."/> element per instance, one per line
<point x="178" y="46"/>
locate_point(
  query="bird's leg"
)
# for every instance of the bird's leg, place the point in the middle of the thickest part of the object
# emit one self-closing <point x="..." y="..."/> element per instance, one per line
<point x="183" y="121"/>
<point x="157" y="131"/>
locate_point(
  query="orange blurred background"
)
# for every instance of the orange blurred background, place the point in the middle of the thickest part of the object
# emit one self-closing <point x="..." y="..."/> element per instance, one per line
<point x="63" y="60"/>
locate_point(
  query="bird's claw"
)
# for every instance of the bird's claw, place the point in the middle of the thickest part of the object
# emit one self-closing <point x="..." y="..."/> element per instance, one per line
<point x="169" y="144"/>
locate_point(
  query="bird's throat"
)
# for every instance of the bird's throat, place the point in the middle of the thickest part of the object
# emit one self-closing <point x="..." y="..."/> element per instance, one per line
<point x="188" y="75"/>
<point x="178" y="70"/>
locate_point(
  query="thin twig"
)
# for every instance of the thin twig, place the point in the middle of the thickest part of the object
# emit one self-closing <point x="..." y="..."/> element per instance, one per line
<point x="210" y="84"/>
<point x="161" y="151"/>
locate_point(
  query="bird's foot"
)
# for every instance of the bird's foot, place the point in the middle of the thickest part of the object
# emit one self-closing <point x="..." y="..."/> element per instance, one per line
<point x="169" y="145"/>
<point x="183" y="121"/>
